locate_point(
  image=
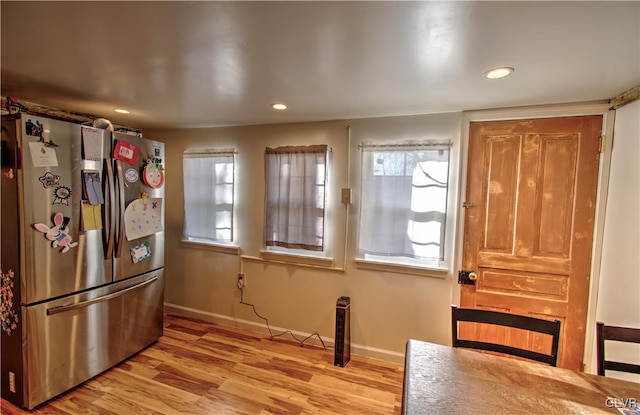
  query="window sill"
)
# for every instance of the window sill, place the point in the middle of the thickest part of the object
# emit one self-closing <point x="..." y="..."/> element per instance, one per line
<point x="294" y="259"/>
<point x="211" y="246"/>
<point x="435" y="272"/>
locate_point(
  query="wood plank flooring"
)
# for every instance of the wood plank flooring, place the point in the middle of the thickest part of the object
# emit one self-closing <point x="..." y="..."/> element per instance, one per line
<point x="202" y="368"/>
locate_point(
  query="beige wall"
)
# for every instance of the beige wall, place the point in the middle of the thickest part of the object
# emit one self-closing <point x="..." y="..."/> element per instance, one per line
<point x="386" y="308"/>
<point x="619" y="290"/>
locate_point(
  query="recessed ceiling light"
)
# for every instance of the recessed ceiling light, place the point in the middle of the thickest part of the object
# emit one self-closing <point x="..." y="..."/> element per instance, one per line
<point x="497" y="73"/>
<point x="279" y="107"/>
<point x="121" y="111"/>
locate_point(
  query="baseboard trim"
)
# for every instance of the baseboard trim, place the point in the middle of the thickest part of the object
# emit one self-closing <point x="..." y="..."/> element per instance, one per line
<point x="356" y="349"/>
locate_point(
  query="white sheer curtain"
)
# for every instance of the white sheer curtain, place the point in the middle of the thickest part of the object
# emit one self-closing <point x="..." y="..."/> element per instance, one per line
<point x="404" y="200"/>
<point x="208" y="194"/>
<point x="295" y="197"/>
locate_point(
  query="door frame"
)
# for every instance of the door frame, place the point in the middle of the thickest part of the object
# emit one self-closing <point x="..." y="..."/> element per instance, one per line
<point x="547" y="111"/>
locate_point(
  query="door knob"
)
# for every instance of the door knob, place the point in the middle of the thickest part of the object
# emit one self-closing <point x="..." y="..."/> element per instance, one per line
<point x="467" y="277"/>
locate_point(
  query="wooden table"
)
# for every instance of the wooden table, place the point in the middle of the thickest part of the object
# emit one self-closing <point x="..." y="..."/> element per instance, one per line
<point x="445" y="380"/>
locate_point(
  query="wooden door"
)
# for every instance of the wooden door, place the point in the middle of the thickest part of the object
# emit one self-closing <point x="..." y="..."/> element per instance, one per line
<point x="530" y="207"/>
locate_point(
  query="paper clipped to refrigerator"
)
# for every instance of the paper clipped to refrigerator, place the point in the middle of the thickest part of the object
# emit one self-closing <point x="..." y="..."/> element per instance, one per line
<point x="143" y="217"/>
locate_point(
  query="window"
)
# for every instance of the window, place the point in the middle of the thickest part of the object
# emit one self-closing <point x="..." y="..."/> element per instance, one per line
<point x="404" y="203"/>
<point x="208" y="195"/>
<point x="295" y="197"/>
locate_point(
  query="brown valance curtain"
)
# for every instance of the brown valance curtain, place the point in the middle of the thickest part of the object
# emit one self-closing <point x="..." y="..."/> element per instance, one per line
<point x="295" y="196"/>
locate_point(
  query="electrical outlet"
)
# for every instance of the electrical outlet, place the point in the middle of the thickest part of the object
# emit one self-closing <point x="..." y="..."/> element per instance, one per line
<point x="241" y="280"/>
<point x="345" y="196"/>
<point x="12" y="382"/>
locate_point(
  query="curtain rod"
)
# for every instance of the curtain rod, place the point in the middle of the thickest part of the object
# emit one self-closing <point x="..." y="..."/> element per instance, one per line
<point x="312" y="149"/>
<point x="209" y="151"/>
<point x="407" y="145"/>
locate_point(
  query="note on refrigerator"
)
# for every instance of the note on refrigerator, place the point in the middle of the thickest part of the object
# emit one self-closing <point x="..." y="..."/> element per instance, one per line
<point x="91" y="216"/>
<point x="143" y="217"/>
<point x="91" y="143"/>
<point x="43" y="156"/>
<point x="92" y="186"/>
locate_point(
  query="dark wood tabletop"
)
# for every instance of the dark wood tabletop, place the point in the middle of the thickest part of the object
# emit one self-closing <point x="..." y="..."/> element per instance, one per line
<point x="446" y="380"/>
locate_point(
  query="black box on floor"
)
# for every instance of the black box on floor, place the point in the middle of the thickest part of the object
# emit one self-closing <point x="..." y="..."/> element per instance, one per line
<point x="342" y="353"/>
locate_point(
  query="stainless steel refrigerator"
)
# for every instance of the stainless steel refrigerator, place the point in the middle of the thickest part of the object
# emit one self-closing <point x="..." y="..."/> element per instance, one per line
<point x="82" y="245"/>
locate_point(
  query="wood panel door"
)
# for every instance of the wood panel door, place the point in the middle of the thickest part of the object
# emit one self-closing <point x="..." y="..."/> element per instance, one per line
<point x="529" y="216"/>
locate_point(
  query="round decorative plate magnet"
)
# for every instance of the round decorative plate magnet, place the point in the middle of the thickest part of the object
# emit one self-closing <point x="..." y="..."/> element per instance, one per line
<point x="153" y="175"/>
<point x="131" y="175"/>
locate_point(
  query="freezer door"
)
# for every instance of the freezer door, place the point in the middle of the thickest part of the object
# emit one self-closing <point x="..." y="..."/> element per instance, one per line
<point x="72" y="339"/>
<point x="140" y="224"/>
<point x="64" y="237"/>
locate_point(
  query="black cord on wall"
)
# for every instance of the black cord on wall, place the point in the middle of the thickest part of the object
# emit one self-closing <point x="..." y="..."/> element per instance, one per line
<point x="271" y="335"/>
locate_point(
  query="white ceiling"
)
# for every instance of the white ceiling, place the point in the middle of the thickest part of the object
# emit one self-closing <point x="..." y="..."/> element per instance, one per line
<point x="201" y="64"/>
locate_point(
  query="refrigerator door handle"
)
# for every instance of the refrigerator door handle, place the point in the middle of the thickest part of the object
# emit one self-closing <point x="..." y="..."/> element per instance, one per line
<point x="122" y="209"/>
<point x="75" y="306"/>
<point x="112" y="209"/>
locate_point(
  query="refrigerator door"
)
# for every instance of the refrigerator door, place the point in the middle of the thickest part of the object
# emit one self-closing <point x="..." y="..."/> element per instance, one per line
<point x="140" y="193"/>
<point x="74" y="338"/>
<point x="64" y="237"/>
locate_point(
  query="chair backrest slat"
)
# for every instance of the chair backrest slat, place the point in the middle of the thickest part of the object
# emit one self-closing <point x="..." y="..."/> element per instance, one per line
<point x="548" y="327"/>
<point x="615" y="333"/>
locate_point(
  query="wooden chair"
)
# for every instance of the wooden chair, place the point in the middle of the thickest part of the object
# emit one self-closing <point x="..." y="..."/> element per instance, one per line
<point x="615" y="333"/>
<point x="552" y="328"/>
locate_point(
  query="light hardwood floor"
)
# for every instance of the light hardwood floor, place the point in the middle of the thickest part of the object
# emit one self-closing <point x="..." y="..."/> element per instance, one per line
<point x="202" y="368"/>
